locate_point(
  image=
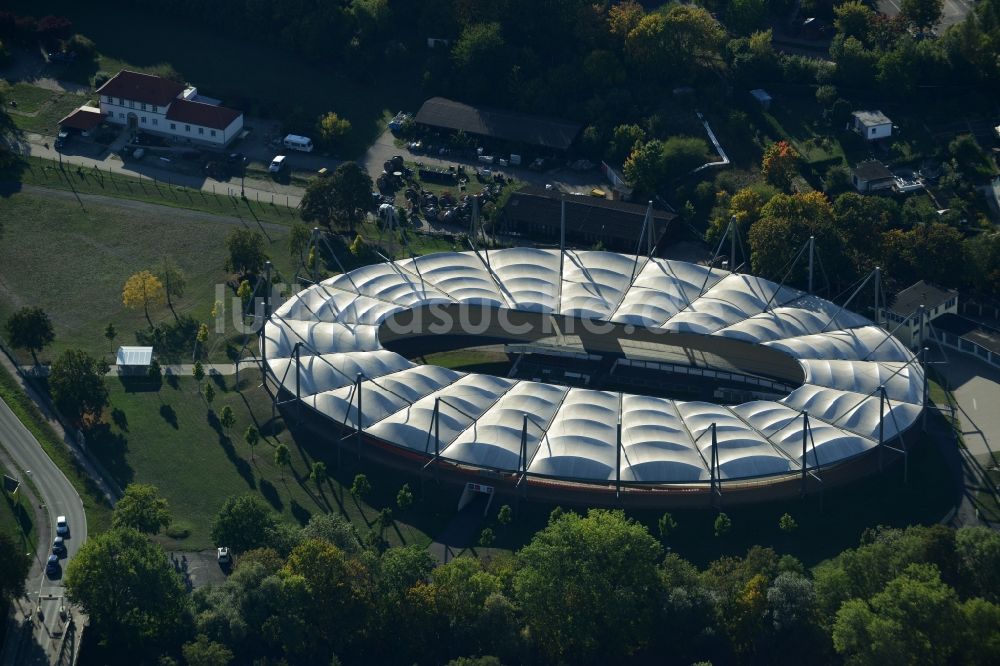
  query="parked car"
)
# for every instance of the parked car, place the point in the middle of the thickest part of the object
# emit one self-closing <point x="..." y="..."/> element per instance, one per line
<point x="224" y="557"/>
<point x="277" y="164"/>
<point x="62" y="527"/>
<point x="58" y="546"/>
<point x="62" y="139"/>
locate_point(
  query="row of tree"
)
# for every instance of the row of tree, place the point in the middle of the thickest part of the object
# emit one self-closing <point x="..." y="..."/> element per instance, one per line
<point x="594" y="588"/>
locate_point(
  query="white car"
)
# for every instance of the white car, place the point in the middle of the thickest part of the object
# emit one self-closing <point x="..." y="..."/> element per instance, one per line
<point x="277" y="164"/>
<point x="224" y="558"/>
<point x="62" y="527"/>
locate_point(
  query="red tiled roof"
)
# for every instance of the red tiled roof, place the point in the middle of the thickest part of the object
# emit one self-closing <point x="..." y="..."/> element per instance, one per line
<point x="142" y="88"/>
<point x="85" y="118"/>
<point x="206" y="115"/>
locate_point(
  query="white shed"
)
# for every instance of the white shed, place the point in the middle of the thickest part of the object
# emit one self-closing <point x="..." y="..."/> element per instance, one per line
<point x="134" y="360"/>
<point x="872" y="125"/>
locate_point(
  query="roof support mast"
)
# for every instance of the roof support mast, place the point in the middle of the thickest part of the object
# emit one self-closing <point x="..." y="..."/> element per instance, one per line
<point x="812" y="253"/>
<point x="732" y="244"/>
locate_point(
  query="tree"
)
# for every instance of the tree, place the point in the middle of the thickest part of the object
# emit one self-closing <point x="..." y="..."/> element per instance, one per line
<point x="675" y="42"/>
<point x="667" y="525"/>
<point x="486" y="537"/>
<point x="602" y="565"/>
<point x="404" y="498"/>
<point x="198" y="372"/>
<point x="361" y="487"/>
<point x="916" y="619"/>
<point x="745" y="16"/>
<point x="723" y="524"/>
<point x="209" y="392"/>
<point x="480" y="57"/>
<point x="922" y="14"/>
<point x="318" y="473"/>
<point x="143" y="289"/>
<point x="656" y="163"/>
<point x="251" y="437"/>
<point x="340" y="196"/>
<point x="202" y="337"/>
<point x="623" y="140"/>
<point x="780" y="163"/>
<point x="204" y="652"/>
<point x="978" y="552"/>
<point x="853" y="19"/>
<point x="334" y="529"/>
<point x="827" y="94"/>
<point x="246" y="253"/>
<point x="384" y="520"/>
<point x="227" y="418"/>
<point x="126" y="585"/>
<point x="142" y="509"/>
<point x="243" y="523"/>
<point x="173" y="281"/>
<point x="110" y="332"/>
<point x="14" y="569"/>
<point x="299" y="236"/>
<point x="30" y="328"/>
<point x="505" y="515"/>
<point x="76" y="383"/>
<point x="787" y="524"/>
<point x="282" y="458"/>
<point x="337" y="594"/>
<point x="623" y="17"/>
<point x="333" y="128"/>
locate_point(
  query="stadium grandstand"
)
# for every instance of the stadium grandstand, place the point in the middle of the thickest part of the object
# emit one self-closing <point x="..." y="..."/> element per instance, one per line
<point x="631" y="377"/>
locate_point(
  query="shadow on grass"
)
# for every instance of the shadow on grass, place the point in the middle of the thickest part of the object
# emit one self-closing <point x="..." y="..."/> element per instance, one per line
<point x="300" y="513"/>
<point x="242" y="466"/>
<point x="170" y="416"/>
<point x="271" y="494"/>
<point x="110" y="448"/>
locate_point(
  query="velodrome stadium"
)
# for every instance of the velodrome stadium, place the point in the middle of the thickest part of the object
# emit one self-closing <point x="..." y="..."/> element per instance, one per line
<point x="632" y="378"/>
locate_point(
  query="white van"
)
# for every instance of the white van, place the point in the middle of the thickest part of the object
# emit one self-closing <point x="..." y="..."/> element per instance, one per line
<point x="277" y="164"/>
<point x="296" y="142"/>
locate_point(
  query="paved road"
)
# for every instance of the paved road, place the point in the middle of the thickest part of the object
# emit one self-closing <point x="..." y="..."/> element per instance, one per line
<point x="44" y="592"/>
<point x="954" y="11"/>
<point x="976" y="387"/>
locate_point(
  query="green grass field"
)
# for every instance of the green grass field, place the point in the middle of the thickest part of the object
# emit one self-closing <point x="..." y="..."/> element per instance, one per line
<point x="168" y="436"/>
<point x="72" y="260"/>
<point x="39" y="109"/>
<point x="48" y="173"/>
<point x="242" y="71"/>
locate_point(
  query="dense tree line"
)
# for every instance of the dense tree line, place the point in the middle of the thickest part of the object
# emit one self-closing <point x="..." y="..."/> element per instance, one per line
<point x="854" y="234"/>
<point x="594" y="588"/>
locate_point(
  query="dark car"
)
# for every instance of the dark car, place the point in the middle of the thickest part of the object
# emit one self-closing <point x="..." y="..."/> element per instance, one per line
<point x="58" y="546"/>
<point x="62" y="139"/>
<point x="52" y="565"/>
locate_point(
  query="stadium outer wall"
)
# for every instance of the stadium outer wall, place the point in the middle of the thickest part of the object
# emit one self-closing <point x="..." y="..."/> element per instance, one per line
<point x="579" y="494"/>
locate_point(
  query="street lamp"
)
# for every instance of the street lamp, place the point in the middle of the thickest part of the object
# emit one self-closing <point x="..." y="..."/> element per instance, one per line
<point x="243" y="175"/>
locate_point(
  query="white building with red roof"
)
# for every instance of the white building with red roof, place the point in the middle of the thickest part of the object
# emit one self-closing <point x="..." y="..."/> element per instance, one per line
<point x="162" y="106"/>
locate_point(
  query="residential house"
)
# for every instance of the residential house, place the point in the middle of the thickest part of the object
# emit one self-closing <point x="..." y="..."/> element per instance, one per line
<point x="903" y="316"/>
<point x="161" y="106"/>
<point x="872" y="176"/>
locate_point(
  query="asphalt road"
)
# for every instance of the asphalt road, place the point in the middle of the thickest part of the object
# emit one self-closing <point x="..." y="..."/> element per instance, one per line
<point x="61" y="499"/>
<point x="954" y="11"/>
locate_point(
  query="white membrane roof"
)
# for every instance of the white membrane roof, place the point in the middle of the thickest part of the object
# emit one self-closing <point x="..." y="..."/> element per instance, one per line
<point x="323" y="344"/>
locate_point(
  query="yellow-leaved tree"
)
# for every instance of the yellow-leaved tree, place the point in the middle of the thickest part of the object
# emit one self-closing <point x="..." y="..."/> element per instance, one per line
<point x="143" y="289"/>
